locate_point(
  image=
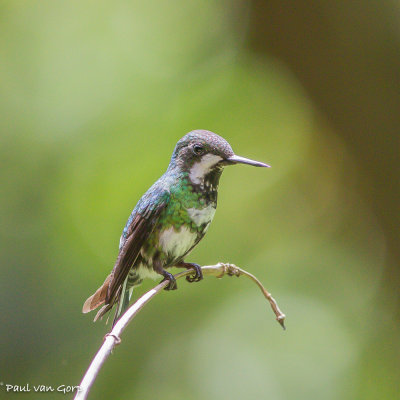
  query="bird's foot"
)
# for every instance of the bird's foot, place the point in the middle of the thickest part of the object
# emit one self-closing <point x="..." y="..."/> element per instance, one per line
<point x="198" y="273"/>
<point x="172" y="281"/>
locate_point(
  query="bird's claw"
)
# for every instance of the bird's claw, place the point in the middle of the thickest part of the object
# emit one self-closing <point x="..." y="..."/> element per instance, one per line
<point x="171" y="281"/>
<point x="197" y="275"/>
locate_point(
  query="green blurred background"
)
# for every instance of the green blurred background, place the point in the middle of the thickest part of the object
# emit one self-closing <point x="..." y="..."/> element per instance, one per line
<point x="94" y="96"/>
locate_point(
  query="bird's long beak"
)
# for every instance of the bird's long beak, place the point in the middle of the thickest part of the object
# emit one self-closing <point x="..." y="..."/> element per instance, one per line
<point x="241" y="160"/>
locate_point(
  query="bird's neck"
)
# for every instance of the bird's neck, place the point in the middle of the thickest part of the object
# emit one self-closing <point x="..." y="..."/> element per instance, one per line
<point x="207" y="186"/>
<point x="204" y="187"/>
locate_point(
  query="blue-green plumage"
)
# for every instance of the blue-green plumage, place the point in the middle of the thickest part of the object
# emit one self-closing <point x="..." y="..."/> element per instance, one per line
<point x="169" y="220"/>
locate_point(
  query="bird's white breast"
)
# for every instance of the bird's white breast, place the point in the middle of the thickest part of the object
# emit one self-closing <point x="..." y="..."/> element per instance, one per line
<point x="201" y="216"/>
<point x="177" y="242"/>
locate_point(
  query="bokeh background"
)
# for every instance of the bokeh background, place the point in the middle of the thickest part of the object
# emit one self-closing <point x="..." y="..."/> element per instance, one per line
<point x="94" y="96"/>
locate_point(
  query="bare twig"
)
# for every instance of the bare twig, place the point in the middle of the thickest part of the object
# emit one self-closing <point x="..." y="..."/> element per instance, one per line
<point x="113" y="338"/>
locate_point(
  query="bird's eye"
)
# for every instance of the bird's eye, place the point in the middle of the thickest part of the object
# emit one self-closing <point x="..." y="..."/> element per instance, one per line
<point x="198" y="149"/>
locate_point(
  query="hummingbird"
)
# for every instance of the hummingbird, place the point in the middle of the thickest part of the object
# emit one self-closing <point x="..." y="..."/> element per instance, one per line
<point x="168" y="221"/>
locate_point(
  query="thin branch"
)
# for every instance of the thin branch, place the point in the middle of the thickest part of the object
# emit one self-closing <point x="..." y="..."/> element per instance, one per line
<point x="112" y="339"/>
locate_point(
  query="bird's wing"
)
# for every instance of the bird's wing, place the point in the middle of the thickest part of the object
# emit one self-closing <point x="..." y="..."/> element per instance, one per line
<point x="140" y="225"/>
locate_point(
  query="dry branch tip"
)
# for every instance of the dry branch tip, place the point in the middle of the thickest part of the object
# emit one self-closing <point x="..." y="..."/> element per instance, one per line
<point x="105" y="350"/>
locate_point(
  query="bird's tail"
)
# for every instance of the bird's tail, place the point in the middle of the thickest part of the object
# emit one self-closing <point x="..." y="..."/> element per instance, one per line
<point x="123" y="301"/>
<point x="97" y="299"/>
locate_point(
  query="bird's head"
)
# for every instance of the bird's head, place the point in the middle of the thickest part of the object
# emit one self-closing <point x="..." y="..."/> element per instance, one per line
<point x="200" y="152"/>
